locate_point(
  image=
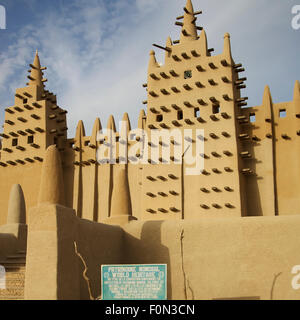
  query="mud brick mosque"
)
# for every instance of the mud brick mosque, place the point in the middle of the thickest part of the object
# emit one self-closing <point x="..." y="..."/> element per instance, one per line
<point x="241" y="210"/>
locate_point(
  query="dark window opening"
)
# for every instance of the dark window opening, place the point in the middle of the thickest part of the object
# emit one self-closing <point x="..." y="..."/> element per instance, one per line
<point x="215" y="108"/>
<point x="282" y="113"/>
<point x="187" y="74"/>
<point x="30" y="139"/>
<point x="117" y="139"/>
<point x="197" y="112"/>
<point x="252" y="117"/>
<point x="159" y="118"/>
<point x="25" y="101"/>
<point x="179" y="115"/>
<point x="86" y="143"/>
<point x="14" y="142"/>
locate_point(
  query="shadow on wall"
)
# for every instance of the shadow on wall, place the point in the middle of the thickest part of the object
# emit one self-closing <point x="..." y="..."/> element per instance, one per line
<point x="9" y="244"/>
<point x="258" y="186"/>
<point x="148" y="249"/>
<point x="254" y="196"/>
<point x="13" y="235"/>
<point x="68" y="174"/>
<point x="254" y="207"/>
<point x="102" y="244"/>
<point x="97" y="243"/>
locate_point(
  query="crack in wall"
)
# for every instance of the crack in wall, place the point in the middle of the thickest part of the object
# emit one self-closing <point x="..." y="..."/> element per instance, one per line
<point x="273" y="284"/>
<point x="186" y="284"/>
<point x="182" y="264"/>
<point x="85" y="277"/>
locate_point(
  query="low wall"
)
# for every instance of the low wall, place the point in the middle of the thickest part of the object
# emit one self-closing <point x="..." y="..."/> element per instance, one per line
<point x="215" y="258"/>
<point x="98" y="244"/>
<point x="53" y="269"/>
<point x="221" y="258"/>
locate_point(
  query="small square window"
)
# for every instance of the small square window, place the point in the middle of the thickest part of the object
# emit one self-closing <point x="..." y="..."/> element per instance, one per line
<point x="30" y="139"/>
<point x="14" y="142"/>
<point x="25" y="101"/>
<point x="179" y="115"/>
<point x="187" y="74"/>
<point x="197" y="112"/>
<point x="282" y="113"/>
<point x="252" y="117"/>
<point x="215" y="108"/>
<point x="159" y="118"/>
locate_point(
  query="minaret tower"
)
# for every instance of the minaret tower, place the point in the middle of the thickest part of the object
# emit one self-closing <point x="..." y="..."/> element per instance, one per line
<point x="33" y="123"/>
<point x="196" y="90"/>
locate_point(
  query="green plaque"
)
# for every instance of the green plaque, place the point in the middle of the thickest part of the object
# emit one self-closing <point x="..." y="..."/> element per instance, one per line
<point x="134" y="282"/>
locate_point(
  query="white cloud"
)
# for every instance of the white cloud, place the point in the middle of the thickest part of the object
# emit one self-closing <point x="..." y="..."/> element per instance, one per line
<point x="97" y="51"/>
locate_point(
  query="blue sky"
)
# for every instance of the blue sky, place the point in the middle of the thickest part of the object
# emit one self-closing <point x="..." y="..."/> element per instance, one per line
<point x="97" y="51"/>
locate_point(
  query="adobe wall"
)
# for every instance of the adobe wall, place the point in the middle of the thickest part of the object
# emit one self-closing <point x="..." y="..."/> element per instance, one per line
<point x="214" y="258"/>
<point x="213" y="83"/>
<point x="273" y="139"/>
<point x="273" y="189"/>
<point x="89" y="185"/>
<point x="260" y="186"/>
<point x="53" y="270"/>
<point x="28" y="176"/>
<point x="221" y="258"/>
<point x="287" y="158"/>
<point x="251" y="169"/>
<point x="98" y="244"/>
<point x="13" y="237"/>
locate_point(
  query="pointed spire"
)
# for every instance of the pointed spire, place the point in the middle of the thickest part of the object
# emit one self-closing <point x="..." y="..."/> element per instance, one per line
<point x="227" y="46"/>
<point x="203" y="43"/>
<point x="120" y="199"/>
<point x="141" y="121"/>
<point x="169" y="44"/>
<point x="96" y="128"/>
<point x="189" y="6"/>
<point x="189" y="30"/>
<point x="267" y="105"/>
<point x="296" y="100"/>
<point x="80" y="129"/>
<point x="152" y="61"/>
<point x="125" y="128"/>
<point x="52" y="187"/>
<point x="297" y="91"/>
<point x="36" y="74"/>
<point x="111" y="123"/>
<point x="267" y="98"/>
<point x="16" y="206"/>
<point x="80" y="132"/>
<point x="267" y="113"/>
<point x="125" y="124"/>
